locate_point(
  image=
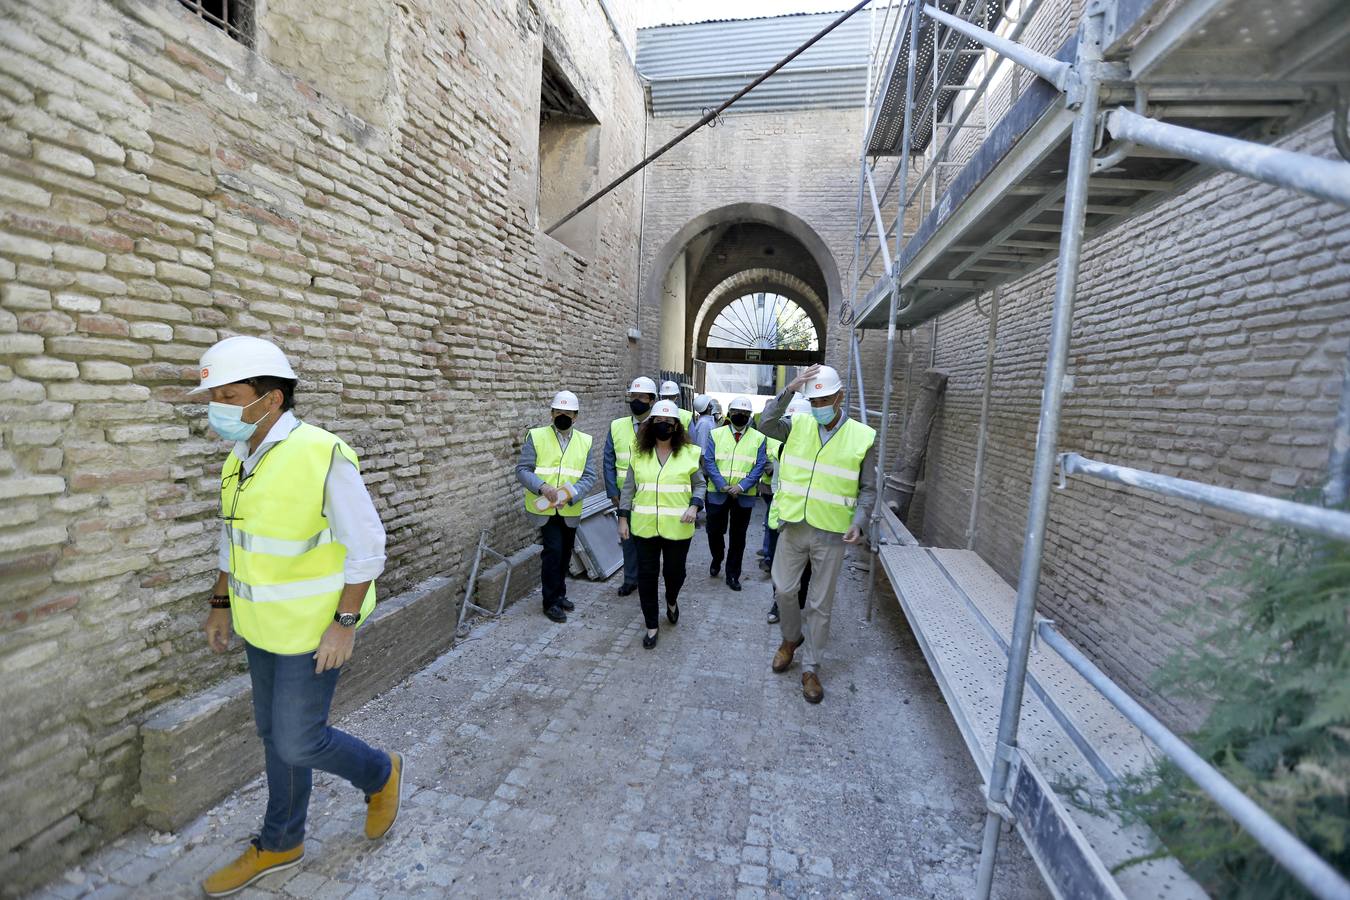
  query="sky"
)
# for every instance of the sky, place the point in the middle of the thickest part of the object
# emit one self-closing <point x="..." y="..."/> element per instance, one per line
<point x="667" y="12"/>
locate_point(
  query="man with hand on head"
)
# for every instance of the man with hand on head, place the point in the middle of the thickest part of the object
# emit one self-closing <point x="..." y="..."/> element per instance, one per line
<point x="826" y="488"/>
<point x="556" y="471"/>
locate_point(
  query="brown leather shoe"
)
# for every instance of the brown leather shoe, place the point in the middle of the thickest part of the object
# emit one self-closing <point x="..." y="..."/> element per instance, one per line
<point x="811" y="688"/>
<point x="783" y="658"/>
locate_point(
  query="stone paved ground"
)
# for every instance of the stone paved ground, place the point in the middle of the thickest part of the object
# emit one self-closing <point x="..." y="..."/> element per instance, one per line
<point x="565" y="761"/>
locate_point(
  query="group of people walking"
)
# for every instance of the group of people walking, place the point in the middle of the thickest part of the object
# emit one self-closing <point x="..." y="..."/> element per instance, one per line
<point x="663" y="466"/>
<point x="301" y="545"/>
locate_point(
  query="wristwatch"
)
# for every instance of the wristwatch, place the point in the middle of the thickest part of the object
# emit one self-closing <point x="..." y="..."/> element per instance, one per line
<point x="347" y="620"/>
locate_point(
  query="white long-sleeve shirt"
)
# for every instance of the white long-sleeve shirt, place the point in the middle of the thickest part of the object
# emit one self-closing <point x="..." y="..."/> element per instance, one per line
<point x="347" y="506"/>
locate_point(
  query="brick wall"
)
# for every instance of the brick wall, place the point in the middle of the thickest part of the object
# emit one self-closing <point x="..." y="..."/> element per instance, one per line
<point x="1208" y="342"/>
<point x="162" y="187"/>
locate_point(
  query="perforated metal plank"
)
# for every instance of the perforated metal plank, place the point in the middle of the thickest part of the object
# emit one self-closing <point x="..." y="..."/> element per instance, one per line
<point x="1117" y="743"/>
<point x="1110" y="735"/>
<point x="970" y="668"/>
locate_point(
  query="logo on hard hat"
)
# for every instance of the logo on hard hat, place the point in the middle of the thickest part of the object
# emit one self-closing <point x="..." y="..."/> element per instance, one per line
<point x="819" y="385"/>
<point x="206" y="373"/>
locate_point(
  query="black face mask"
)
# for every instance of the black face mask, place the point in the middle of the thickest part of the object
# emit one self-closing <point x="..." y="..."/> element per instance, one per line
<point x="740" y="420"/>
<point x="639" y="406"/>
<point x="664" y="431"/>
<point x="562" y="423"/>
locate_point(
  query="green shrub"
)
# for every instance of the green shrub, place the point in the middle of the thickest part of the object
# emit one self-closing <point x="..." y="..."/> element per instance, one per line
<point x="1275" y="661"/>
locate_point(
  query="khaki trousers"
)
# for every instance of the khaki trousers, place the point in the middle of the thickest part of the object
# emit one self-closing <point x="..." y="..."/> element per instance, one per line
<point x="798" y="544"/>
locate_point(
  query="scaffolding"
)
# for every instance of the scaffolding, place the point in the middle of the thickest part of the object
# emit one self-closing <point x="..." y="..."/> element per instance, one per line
<point x="1144" y="100"/>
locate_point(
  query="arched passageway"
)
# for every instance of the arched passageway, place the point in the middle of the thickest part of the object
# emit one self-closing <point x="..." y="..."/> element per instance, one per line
<point x="744" y="292"/>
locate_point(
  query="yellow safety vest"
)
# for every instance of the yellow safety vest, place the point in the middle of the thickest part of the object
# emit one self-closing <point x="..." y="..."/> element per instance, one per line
<point x="686" y="417"/>
<point x="286" y="567"/>
<point x="556" y="467"/>
<point x="735" y="458"/>
<point x="622" y="434"/>
<point x="772" y="446"/>
<point x="819" y="485"/>
<point x="663" y="493"/>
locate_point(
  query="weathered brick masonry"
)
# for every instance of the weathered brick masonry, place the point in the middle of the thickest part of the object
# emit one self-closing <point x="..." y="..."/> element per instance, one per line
<point x="161" y="187"/>
<point x="1208" y="342"/>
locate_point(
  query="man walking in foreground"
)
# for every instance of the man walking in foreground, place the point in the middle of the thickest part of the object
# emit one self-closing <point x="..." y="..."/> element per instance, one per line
<point x="301" y="545"/>
<point x="826" y="488"/>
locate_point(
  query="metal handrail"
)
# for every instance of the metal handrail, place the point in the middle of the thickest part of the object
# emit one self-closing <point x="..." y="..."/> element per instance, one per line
<point x="1311" y="870"/>
<point x="1329" y="522"/>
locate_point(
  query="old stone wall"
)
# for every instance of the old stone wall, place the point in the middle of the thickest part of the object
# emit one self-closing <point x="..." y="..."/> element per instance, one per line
<point x="161" y="187"/>
<point x="1208" y="342"/>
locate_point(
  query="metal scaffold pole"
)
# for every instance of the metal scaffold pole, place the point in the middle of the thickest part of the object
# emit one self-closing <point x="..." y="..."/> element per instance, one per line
<point x="874" y="537"/>
<point x="1081" y="146"/>
<point x="982" y="441"/>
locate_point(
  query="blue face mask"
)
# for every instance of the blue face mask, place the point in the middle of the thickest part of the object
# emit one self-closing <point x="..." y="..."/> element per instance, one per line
<point x="227" y="420"/>
<point x="823" y="414"/>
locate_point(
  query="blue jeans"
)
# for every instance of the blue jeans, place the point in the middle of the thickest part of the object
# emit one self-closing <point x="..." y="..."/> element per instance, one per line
<point x="770" y="536"/>
<point x="290" y="707"/>
<point x="630" y="561"/>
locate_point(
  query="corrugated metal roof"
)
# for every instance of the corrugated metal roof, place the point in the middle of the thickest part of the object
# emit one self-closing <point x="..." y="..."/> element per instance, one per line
<point x="696" y="67"/>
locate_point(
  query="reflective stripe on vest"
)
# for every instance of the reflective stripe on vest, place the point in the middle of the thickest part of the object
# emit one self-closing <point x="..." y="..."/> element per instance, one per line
<point x="556" y="466"/>
<point x="663" y="493"/>
<point x="735" y="458"/>
<point x="622" y="433"/>
<point x="286" y="567"/>
<point x="819" y="485"/>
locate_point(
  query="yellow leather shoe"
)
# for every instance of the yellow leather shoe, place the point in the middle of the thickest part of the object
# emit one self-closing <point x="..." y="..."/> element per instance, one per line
<point x="253" y="864"/>
<point x="382" y="808"/>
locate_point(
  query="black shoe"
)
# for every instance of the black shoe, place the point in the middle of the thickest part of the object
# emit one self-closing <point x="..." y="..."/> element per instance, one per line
<point x="672" y="612"/>
<point x="733" y="582"/>
<point x="627" y="589"/>
<point x="567" y="605"/>
<point x="649" y="640"/>
<point x="765" y="566"/>
<point x="556" y="614"/>
<point x="773" y="615"/>
<point x="715" y="569"/>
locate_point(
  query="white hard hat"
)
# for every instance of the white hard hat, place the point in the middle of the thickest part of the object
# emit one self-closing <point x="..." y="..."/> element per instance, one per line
<point x="566" y="400"/>
<point x="642" y="386"/>
<point x="701" y="403"/>
<point x="798" y="405"/>
<point x="239" y="358"/>
<point x="741" y="403"/>
<point x="670" y="389"/>
<point x="666" y="408"/>
<point x="825" y="384"/>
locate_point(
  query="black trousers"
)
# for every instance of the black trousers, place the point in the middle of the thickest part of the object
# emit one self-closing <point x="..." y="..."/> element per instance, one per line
<point x="558" y="540"/>
<point x="659" y="556"/>
<point x="720" y="516"/>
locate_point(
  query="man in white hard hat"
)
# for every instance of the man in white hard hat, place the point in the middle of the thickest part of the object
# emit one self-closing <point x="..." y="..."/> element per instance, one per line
<point x="301" y="545"/>
<point x="556" y="471"/>
<point x="734" y="459"/>
<point x="618" y="456"/>
<point x="703" y="420"/>
<point x="826" y="488"/>
<point x="671" y="391"/>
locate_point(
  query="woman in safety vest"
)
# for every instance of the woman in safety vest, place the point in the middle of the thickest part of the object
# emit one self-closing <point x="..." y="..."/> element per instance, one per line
<point x="660" y="500"/>
<point x="301" y="545"/>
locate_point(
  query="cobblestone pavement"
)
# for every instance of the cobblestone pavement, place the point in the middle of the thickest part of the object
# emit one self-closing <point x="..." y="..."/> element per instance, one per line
<point x="566" y="761"/>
